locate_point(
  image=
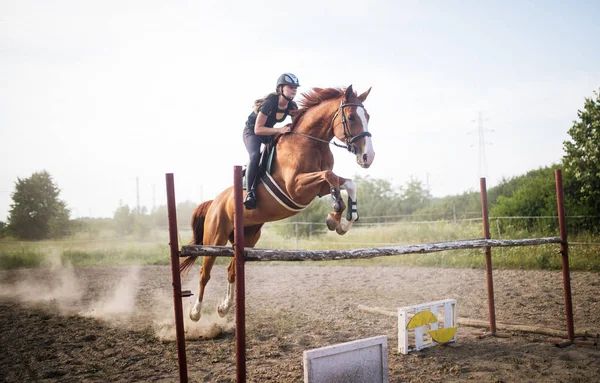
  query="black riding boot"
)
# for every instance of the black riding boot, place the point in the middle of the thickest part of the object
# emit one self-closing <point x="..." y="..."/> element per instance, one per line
<point x="251" y="173"/>
<point x="250" y="201"/>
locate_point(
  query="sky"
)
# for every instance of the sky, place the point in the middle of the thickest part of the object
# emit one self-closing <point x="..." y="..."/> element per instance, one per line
<point x="109" y="96"/>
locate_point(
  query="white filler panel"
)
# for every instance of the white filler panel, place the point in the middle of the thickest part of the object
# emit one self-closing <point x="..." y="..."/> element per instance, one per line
<point x="426" y="325"/>
<point x="360" y="361"/>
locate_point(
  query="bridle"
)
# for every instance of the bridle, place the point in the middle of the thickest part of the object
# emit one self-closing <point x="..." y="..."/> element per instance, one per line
<point x="349" y="139"/>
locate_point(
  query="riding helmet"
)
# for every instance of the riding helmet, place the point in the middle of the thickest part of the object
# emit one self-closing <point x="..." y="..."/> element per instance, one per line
<point x="287" y="79"/>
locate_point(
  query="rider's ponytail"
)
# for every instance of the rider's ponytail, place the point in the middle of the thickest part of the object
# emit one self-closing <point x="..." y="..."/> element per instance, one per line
<point x="258" y="102"/>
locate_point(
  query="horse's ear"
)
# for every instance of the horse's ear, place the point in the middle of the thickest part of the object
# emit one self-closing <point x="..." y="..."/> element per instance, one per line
<point x="349" y="93"/>
<point x="363" y="96"/>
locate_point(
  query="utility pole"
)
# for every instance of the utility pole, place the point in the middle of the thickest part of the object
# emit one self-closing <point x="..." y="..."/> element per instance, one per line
<point x="482" y="159"/>
<point x="482" y="144"/>
<point x="137" y="193"/>
<point x="153" y="197"/>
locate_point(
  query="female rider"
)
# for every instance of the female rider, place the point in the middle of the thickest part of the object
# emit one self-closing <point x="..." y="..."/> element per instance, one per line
<point x="269" y="110"/>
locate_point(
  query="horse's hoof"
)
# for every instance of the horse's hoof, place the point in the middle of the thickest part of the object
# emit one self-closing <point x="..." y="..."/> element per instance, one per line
<point x="222" y="311"/>
<point x="340" y="231"/>
<point x="196" y="311"/>
<point x="331" y="223"/>
<point x="195" y="315"/>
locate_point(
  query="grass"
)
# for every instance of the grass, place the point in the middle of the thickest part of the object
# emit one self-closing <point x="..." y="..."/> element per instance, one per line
<point x="104" y="250"/>
<point x="20" y="258"/>
<point x="82" y="251"/>
<point x="542" y="257"/>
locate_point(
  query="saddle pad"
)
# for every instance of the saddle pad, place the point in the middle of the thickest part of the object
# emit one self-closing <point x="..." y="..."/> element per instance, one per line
<point x="267" y="158"/>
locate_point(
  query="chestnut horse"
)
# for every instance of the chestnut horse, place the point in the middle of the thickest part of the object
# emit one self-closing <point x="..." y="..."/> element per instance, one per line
<point x="301" y="171"/>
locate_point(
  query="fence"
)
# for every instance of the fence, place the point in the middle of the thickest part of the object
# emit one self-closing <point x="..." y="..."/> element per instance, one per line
<point x="500" y="226"/>
<point x="241" y="255"/>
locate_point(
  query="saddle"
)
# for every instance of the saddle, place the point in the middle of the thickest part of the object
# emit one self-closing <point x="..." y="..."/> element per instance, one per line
<point x="267" y="157"/>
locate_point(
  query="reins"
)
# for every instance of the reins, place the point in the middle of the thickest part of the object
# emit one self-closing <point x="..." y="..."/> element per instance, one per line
<point x="318" y="139"/>
<point x="349" y="138"/>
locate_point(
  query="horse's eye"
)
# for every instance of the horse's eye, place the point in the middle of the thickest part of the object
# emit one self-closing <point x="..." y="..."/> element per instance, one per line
<point x="351" y="117"/>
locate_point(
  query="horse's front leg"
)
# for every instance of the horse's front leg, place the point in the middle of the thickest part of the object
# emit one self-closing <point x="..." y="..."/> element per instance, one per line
<point x="352" y="213"/>
<point x="327" y="182"/>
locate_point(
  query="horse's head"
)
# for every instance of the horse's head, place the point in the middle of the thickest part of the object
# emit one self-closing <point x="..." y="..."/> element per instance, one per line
<point x="350" y="125"/>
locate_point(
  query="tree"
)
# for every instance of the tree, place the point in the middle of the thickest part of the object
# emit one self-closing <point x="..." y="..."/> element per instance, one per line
<point x="376" y="197"/>
<point x="415" y="196"/>
<point x="184" y="211"/>
<point x="582" y="155"/>
<point x="535" y="196"/>
<point x="160" y="217"/>
<point x="123" y="220"/>
<point x="37" y="212"/>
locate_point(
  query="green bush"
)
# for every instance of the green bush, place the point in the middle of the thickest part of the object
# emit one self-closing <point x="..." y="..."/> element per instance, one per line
<point x="22" y="258"/>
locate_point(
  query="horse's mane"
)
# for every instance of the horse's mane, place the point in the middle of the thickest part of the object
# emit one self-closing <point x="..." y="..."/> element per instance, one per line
<point x="314" y="97"/>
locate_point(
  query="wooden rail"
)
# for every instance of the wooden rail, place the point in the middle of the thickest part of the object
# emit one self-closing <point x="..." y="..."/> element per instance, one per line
<point x="254" y="254"/>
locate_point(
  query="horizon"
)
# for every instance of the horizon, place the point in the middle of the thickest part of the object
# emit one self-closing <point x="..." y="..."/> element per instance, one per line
<point x="103" y="94"/>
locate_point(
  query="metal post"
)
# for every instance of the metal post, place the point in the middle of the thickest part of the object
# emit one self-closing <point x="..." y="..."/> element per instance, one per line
<point x="174" y="245"/>
<point x="564" y="251"/>
<point x="240" y="291"/>
<point x="488" y="256"/>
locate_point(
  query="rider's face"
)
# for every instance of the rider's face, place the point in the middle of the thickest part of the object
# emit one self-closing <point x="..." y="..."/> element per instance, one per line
<point x="289" y="91"/>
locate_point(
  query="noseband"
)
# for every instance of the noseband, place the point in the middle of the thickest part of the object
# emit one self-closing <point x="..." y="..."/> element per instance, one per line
<point x="349" y="139"/>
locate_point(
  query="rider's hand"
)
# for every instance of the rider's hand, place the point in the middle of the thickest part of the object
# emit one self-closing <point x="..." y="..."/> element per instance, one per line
<point x="285" y="129"/>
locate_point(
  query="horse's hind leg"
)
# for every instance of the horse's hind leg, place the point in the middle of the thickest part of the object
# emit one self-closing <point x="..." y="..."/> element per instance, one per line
<point x="251" y="236"/>
<point x="224" y="307"/>
<point x="215" y="234"/>
<point x="207" y="264"/>
<point x="336" y="220"/>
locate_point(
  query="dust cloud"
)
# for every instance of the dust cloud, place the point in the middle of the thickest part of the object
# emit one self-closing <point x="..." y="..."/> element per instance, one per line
<point x="117" y="301"/>
<point x="210" y="326"/>
<point x="58" y="286"/>
<point x="118" y="304"/>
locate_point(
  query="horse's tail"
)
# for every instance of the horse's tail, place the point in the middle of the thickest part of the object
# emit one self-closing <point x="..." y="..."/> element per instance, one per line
<point x="198" y="229"/>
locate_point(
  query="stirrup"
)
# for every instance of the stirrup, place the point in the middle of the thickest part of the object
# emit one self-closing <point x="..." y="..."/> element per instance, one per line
<point x="250" y="201"/>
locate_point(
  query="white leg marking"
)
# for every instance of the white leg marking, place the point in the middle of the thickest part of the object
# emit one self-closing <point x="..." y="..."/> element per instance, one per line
<point x="345" y="224"/>
<point x="224" y="307"/>
<point x="195" y="312"/>
<point x="350" y="187"/>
